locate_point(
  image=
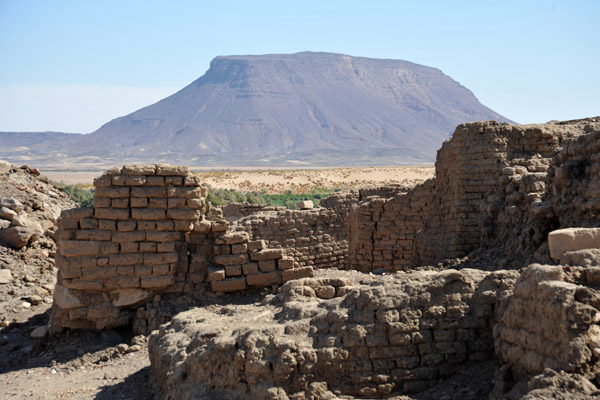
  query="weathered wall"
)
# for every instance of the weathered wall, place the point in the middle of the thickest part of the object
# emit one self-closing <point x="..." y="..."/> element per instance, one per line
<point x="382" y="232"/>
<point x="551" y="321"/>
<point x="146" y="235"/>
<point x="326" y="336"/>
<point x="496" y="185"/>
<point x="314" y="238"/>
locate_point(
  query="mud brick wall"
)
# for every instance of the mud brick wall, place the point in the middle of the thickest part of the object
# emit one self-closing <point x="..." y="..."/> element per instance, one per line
<point x="382" y="231"/>
<point x="496" y="185"/>
<point x="313" y="238"/>
<point x="233" y="211"/>
<point x="399" y="334"/>
<point x="130" y="245"/>
<point x="551" y="321"/>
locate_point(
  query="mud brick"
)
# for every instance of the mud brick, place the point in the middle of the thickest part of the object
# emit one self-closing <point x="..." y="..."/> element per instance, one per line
<point x="266" y="254"/>
<point x="68" y="223"/>
<point x="285" y="263"/>
<point x="185" y="191"/>
<point x="250" y="268"/>
<point x="148" y="247"/>
<point x="129" y="180"/>
<point x="83" y="285"/>
<point x="160" y="258"/>
<point x="162" y="236"/>
<point x="165" y="225"/>
<point x="176" y="202"/>
<point x="183" y="225"/>
<point x="231" y="259"/>
<point x="71" y="248"/>
<point x="102" y="202"/>
<point x="171" y="170"/>
<point x="138" y="170"/>
<point x="229" y="285"/>
<point x="146" y="225"/>
<point x="255" y="245"/>
<point x="183" y="213"/>
<point x="157" y="281"/>
<point x="139" y="202"/>
<point x="215" y="274"/>
<point x="112" y="192"/>
<point x="119" y="203"/>
<point x="241" y="248"/>
<point x="297" y="273"/>
<point x="93" y="235"/>
<point x="129" y="247"/>
<point x="128" y="281"/>
<point x="235" y="237"/>
<point x="174" y="180"/>
<point x="105" y="179"/>
<point x="126" y="226"/>
<point x="267" y="265"/>
<point x="143" y="270"/>
<point x="264" y="279"/>
<point x="192" y="180"/>
<point x="233" y="270"/>
<point x="148" y="191"/>
<point x="165" y="247"/>
<point x="157" y="202"/>
<point x="109" y="248"/>
<point x="78" y="213"/>
<point x="70" y="272"/>
<point x="126" y="270"/>
<point x="126" y="259"/>
<point x="107" y="224"/>
<point x="219" y="226"/>
<point x="112" y="213"/>
<point x="195" y="204"/>
<point x="147" y="213"/>
<point x="161" y="269"/>
<point x="99" y="273"/>
<point x="135" y="236"/>
<point x="88" y="223"/>
<point x="156" y="181"/>
<point x="199" y="268"/>
<point x="202" y="226"/>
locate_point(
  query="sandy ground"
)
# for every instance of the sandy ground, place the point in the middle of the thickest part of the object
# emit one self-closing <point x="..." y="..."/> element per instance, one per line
<point x="300" y="181"/>
<point x="278" y="181"/>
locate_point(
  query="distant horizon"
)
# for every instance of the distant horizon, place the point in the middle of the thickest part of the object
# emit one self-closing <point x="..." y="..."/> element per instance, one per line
<point x="74" y="66"/>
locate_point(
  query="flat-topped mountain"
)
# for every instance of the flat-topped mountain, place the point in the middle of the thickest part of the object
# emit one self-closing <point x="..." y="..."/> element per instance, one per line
<point x="292" y="107"/>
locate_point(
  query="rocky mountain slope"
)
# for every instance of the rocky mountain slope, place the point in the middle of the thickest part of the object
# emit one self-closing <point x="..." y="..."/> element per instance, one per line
<point x="290" y="108"/>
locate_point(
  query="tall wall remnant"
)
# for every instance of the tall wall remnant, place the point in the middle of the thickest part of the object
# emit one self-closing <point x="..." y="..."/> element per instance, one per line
<point x="497" y="185"/>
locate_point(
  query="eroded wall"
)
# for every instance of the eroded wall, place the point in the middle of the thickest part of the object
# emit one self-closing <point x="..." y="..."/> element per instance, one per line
<point x="496" y="185"/>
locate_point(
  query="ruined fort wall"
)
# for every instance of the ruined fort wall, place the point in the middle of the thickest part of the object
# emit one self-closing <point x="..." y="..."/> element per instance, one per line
<point x="496" y="185"/>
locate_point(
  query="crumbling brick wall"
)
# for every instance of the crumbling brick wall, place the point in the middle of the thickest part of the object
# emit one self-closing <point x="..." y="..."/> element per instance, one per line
<point x="396" y="334"/>
<point x="496" y="185"/>
<point x="551" y="321"/>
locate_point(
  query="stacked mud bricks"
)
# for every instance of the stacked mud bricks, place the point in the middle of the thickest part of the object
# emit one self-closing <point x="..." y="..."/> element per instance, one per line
<point x="130" y="244"/>
<point x="496" y="185"/>
<point x="241" y="263"/>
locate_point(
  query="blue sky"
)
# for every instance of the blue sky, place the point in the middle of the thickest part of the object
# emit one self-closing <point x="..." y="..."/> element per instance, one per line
<point x="71" y="66"/>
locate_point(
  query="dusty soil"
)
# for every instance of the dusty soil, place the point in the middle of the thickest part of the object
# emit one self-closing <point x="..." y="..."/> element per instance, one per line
<point x="302" y="181"/>
<point x="278" y="181"/>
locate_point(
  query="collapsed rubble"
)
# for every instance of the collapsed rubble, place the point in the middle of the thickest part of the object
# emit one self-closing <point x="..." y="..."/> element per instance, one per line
<point x="499" y="191"/>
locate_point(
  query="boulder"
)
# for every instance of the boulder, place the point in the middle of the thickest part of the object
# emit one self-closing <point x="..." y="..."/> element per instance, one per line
<point x="305" y="205"/>
<point x="6" y="213"/>
<point x="5" y="276"/>
<point x="64" y="298"/>
<point x="4" y="167"/>
<point x="570" y="239"/>
<point x="128" y="297"/>
<point x="16" y="236"/>
<point x="11" y="203"/>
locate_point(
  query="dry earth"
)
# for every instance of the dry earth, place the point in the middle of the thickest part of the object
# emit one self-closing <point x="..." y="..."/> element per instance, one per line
<point x="278" y="181"/>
